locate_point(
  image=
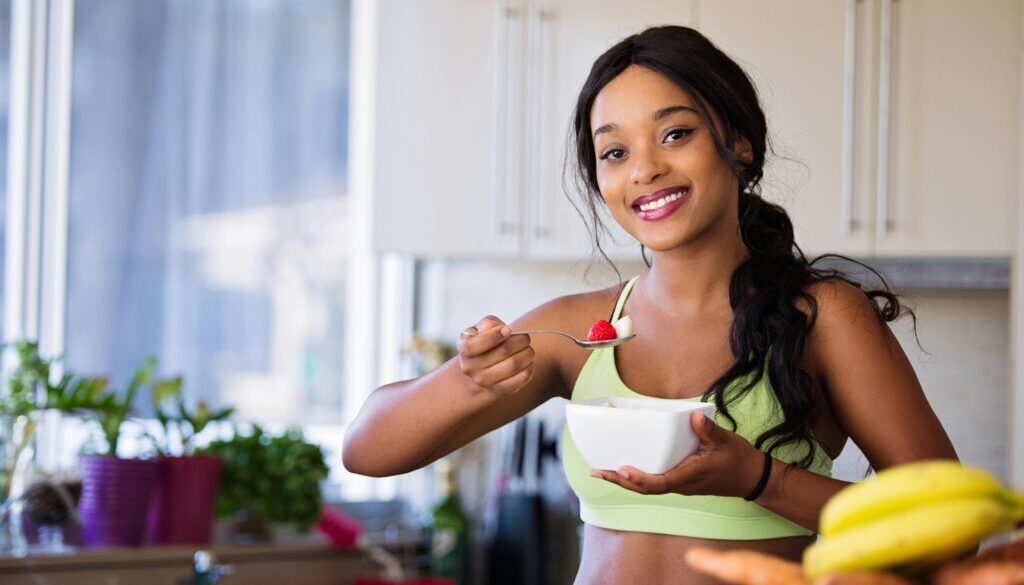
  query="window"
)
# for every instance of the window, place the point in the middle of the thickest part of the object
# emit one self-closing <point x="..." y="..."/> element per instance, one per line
<point x="207" y="199"/>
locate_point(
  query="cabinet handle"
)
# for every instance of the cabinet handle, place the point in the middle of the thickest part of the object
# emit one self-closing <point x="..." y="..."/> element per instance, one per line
<point x="884" y="96"/>
<point x="849" y="81"/>
<point x="509" y="67"/>
<point x="539" y="19"/>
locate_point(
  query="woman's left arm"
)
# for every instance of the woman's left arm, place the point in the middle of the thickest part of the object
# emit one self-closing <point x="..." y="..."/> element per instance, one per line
<point x="872" y="392"/>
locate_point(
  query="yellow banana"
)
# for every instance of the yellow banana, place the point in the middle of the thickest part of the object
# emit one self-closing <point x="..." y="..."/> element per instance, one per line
<point x="932" y="531"/>
<point x="902" y="488"/>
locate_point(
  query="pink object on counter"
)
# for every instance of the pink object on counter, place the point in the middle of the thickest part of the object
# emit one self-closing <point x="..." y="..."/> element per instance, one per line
<point x="338" y="527"/>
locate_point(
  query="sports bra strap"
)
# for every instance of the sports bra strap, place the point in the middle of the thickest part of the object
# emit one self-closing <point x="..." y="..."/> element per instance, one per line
<point x="623" y="296"/>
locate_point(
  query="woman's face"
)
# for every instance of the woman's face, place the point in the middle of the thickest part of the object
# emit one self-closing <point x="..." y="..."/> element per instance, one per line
<point x="657" y="167"/>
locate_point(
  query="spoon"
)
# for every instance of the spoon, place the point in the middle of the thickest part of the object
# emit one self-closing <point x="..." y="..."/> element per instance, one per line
<point x="580" y="342"/>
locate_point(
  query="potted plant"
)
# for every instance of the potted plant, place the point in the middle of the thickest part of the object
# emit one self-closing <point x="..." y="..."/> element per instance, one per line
<point x="27" y="392"/>
<point x="115" y="490"/>
<point x="269" y="480"/>
<point x="181" y="509"/>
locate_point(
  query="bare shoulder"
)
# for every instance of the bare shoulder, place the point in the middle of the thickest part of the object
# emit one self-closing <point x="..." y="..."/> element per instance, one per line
<point x="841" y="305"/>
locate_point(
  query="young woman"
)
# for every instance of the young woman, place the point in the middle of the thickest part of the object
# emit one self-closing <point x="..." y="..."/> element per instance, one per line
<point x="670" y="137"/>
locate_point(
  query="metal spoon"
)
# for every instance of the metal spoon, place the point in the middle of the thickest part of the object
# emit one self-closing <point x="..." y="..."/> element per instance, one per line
<point x="580" y="342"/>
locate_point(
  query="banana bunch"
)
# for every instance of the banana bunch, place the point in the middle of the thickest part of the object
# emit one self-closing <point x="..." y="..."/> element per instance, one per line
<point x="913" y="516"/>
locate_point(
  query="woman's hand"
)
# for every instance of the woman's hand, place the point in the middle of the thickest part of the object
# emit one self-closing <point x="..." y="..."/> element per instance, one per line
<point x="493" y="359"/>
<point x="725" y="464"/>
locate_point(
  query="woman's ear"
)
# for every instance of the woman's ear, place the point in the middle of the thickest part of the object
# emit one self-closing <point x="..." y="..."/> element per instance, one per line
<point x="743" y="150"/>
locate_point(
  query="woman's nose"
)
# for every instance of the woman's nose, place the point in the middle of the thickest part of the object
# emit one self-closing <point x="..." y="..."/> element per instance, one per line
<point x="646" y="169"/>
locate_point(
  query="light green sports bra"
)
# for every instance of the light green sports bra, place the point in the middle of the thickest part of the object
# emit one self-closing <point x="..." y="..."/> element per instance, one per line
<point x="607" y="505"/>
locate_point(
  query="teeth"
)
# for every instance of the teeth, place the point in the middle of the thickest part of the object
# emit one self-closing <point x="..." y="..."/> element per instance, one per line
<point x="661" y="202"/>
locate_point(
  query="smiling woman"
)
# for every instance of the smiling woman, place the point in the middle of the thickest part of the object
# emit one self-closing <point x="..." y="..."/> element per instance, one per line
<point x="670" y="137"/>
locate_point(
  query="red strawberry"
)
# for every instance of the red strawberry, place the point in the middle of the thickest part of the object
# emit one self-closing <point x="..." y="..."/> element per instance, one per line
<point x="601" y="331"/>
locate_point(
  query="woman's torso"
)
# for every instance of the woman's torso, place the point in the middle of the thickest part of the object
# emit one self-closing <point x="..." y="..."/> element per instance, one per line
<point x="676" y="356"/>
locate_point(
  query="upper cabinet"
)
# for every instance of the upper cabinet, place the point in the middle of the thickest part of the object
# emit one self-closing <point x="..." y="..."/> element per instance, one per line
<point x="473" y="106"/>
<point x="949" y="170"/>
<point x="570" y="35"/>
<point x="801" y="56"/>
<point x="896" y="122"/>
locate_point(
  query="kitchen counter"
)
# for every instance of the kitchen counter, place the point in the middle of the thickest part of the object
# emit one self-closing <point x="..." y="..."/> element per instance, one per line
<point x="307" y="563"/>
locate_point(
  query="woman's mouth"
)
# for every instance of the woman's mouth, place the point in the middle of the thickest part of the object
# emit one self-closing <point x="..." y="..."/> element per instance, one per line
<point x="661" y="205"/>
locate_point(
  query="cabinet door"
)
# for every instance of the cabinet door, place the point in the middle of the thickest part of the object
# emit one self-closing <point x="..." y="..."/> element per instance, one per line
<point x="955" y="132"/>
<point x="567" y="36"/>
<point x="446" y="111"/>
<point x="799" y="54"/>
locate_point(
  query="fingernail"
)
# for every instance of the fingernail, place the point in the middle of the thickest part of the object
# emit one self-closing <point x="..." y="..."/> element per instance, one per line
<point x="623" y="473"/>
<point x="595" y="474"/>
<point x="505" y="331"/>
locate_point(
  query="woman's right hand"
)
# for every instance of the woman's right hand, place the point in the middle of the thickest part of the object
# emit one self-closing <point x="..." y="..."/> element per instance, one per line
<point x="493" y="359"/>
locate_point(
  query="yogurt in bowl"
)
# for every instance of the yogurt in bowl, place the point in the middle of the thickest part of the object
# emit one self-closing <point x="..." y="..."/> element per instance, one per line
<point x="650" y="434"/>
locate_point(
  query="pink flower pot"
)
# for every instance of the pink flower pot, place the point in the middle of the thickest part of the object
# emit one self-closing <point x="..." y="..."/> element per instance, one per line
<point x="182" y="506"/>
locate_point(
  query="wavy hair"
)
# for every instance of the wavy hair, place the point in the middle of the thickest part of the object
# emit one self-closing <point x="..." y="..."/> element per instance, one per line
<point x="769" y="331"/>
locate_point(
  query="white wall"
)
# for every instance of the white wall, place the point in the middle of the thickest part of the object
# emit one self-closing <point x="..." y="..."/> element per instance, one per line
<point x="965" y="373"/>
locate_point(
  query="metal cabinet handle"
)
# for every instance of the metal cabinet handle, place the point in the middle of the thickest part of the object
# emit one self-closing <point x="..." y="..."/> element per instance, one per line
<point x="882" y="222"/>
<point x="508" y="92"/>
<point x="538" y="35"/>
<point x="849" y="86"/>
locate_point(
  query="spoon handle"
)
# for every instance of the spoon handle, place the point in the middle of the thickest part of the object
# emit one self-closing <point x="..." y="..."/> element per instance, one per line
<point x="532" y="331"/>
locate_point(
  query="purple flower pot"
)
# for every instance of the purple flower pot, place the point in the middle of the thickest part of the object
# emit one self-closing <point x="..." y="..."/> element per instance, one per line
<point x="181" y="509"/>
<point x="115" y="497"/>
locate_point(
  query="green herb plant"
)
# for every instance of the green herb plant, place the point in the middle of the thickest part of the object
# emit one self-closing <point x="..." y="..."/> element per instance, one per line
<point x="274" y="477"/>
<point x="176" y="420"/>
<point x="27" y="391"/>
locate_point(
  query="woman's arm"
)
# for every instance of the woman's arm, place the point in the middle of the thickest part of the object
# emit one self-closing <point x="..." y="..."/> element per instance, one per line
<point x="873" y="394"/>
<point x="494" y="380"/>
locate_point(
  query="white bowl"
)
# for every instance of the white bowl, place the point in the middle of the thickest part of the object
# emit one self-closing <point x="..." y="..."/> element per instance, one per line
<point x="650" y="434"/>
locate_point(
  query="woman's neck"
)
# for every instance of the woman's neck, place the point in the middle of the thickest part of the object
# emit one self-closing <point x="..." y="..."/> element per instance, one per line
<point x="695" y="279"/>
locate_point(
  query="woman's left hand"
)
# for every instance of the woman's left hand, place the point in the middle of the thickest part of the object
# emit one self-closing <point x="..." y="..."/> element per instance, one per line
<point x="725" y="464"/>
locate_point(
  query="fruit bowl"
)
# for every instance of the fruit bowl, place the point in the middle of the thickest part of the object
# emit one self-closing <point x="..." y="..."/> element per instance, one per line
<point x="650" y="434"/>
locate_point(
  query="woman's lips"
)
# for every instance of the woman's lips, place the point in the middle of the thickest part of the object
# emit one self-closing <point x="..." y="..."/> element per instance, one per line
<point x="672" y="203"/>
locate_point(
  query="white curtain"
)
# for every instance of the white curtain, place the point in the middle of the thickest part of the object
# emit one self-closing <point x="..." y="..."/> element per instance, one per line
<point x="207" y="197"/>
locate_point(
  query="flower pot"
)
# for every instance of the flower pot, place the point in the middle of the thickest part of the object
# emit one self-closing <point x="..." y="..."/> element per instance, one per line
<point x="115" y="499"/>
<point x="181" y="509"/>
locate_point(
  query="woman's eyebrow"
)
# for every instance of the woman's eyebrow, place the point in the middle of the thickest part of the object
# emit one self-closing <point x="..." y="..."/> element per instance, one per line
<point x="662" y="113"/>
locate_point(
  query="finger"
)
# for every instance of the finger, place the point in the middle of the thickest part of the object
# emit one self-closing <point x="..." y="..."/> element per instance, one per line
<point x="484" y="341"/>
<point x="515" y="383"/>
<point x="505" y="350"/>
<point x="504" y="369"/>
<point x="651" y="483"/>
<point x="613" y="477"/>
<point x="706" y="429"/>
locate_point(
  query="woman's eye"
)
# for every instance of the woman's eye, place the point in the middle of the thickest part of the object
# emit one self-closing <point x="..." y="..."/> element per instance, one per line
<point x="613" y="154"/>
<point x="678" y="134"/>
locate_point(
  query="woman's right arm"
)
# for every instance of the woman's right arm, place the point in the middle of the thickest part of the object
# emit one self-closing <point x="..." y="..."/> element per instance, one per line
<point x="495" y="379"/>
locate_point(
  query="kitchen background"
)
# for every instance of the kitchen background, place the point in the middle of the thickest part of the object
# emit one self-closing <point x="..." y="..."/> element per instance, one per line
<point x="275" y="196"/>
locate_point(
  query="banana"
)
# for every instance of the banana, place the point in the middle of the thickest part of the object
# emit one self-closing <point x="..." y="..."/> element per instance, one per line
<point x="923" y="533"/>
<point x="902" y="488"/>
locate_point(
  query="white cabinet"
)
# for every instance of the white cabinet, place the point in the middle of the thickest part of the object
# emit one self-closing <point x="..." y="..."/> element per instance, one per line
<point x="896" y="121"/>
<point x="446" y="110"/>
<point x="798" y="56"/>
<point x="473" y="112"/>
<point x="955" y="132"/>
<point x="900" y="118"/>
<point x="571" y="34"/>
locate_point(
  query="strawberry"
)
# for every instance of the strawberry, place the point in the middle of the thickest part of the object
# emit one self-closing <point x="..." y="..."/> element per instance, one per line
<point x="601" y="331"/>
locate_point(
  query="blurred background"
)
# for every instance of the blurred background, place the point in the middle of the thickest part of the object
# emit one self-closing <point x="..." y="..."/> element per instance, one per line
<point x="288" y="203"/>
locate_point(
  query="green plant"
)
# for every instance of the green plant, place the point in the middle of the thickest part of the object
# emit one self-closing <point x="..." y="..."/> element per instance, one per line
<point x="275" y="477"/>
<point x="176" y="419"/>
<point x="28" y="389"/>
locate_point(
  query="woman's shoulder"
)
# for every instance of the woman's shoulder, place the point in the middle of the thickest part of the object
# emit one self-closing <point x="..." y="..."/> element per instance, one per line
<point x="838" y="302"/>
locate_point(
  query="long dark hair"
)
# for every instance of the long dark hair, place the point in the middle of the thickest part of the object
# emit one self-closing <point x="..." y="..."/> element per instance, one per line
<point x="766" y="292"/>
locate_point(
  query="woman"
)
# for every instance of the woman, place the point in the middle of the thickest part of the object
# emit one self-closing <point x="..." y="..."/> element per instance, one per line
<point x="669" y="135"/>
